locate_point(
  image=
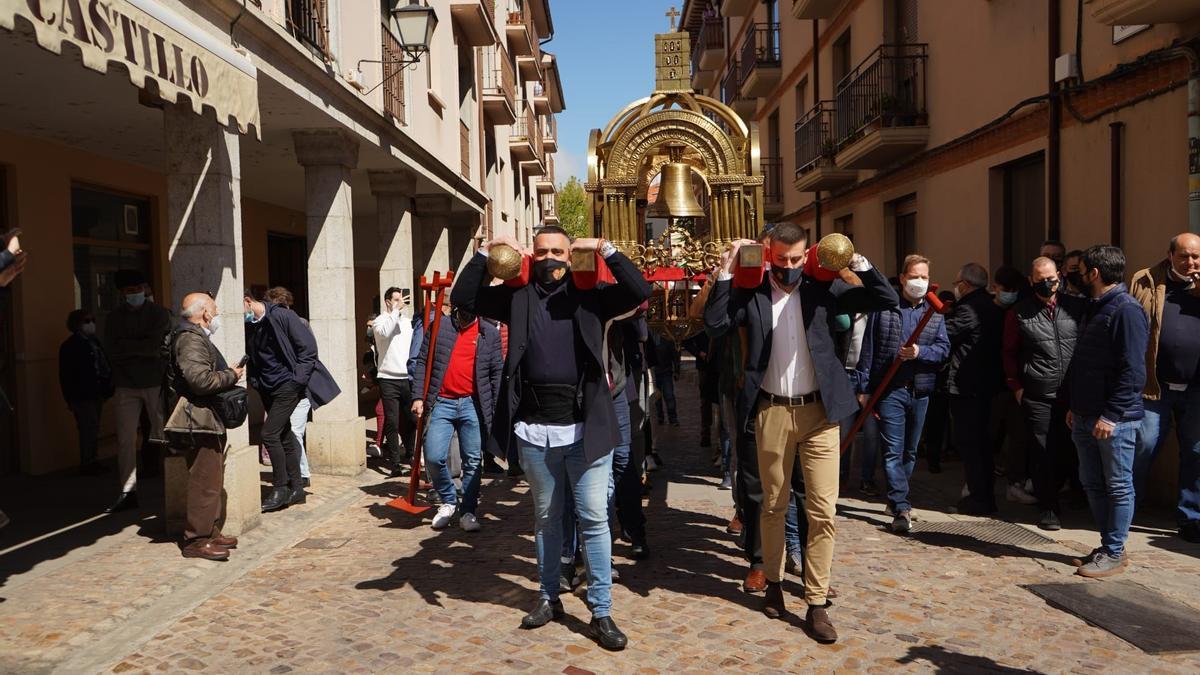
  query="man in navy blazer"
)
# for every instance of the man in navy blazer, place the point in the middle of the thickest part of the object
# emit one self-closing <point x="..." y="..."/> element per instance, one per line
<point x="795" y="392"/>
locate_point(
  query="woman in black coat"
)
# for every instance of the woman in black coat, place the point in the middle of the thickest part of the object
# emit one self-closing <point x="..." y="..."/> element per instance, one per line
<point x="86" y="381"/>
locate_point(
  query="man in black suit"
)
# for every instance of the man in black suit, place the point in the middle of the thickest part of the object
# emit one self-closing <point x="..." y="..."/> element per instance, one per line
<point x="796" y="392"/>
<point x="555" y="402"/>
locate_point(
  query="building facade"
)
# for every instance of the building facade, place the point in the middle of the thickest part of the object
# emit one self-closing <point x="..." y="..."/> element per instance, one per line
<point x="219" y="145"/>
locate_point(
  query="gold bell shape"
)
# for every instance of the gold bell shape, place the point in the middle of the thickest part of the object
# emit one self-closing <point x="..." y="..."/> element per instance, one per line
<point x="504" y="262"/>
<point x="835" y="251"/>
<point x="676" y="198"/>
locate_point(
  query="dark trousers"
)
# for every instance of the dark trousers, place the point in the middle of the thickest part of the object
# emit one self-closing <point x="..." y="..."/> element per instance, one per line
<point x="87" y="421"/>
<point x="1051" y="450"/>
<point x="971" y="415"/>
<point x="706" y="416"/>
<point x="206" y="477"/>
<point x="397" y="415"/>
<point x="664" y="380"/>
<point x="627" y="469"/>
<point x="937" y="426"/>
<point x="282" y="445"/>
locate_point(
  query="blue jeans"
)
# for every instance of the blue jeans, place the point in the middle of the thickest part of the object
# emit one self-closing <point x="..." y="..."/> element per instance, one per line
<point x="795" y="529"/>
<point x="448" y="416"/>
<point x="1183" y="409"/>
<point x="901" y="419"/>
<point x="1106" y="471"/>
<point x="552" y="473"/>
<point x="868" y="448"/>
<point x="299" y="424"/>
<point x="664" y="381"/>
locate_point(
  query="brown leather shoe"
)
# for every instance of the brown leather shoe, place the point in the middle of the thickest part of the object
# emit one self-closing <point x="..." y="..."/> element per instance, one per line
<point x="773" y="605"/>
<point x="224" y="541"/>
<point x="756" y="581"/>
<point x="734" y="527"/>
<point x="818" y="626"/>
<point x="205" y="548"/>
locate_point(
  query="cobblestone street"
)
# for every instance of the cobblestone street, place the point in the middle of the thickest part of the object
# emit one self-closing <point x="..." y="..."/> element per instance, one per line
<point x="347" y="584"/>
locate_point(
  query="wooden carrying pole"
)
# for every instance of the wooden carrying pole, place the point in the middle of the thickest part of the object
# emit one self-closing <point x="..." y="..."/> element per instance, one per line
<point x="935" y="305"/>
<point x="435" y="292"/>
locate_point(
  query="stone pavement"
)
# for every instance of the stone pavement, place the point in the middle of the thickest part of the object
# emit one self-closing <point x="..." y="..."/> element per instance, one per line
<point x="346" y="584"/>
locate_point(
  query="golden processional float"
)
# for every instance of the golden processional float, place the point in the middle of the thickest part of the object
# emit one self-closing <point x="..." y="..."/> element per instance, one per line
<point x="710" y="192"/>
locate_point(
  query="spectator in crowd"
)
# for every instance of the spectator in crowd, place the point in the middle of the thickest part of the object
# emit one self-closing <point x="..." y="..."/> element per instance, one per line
<point x="700" y="347"/>
<point x="1170" y="298"/>
<point x="666" y="369"/>
<point x="133" y="339"/>
<point x="556" y="401"/>
<point x="905" y="400"/>
<point x="1072" y="279"/>
<point x="200" y="372"/>
<point x="396" y="348"/>
<point x="1055" y="250"/>
<point x="284" y="369"/>
<point x="299" y="419"/>
<point x="1039" y="341"/>
<point x="12" y="262"/>
<point x="1105" y="382"/>
<point x="86" y="381"/>
<point x="974" y="326"/>
<point x="1008" y="437"/>
<point x="465" y="370"/>
<point x="797" y="392"/>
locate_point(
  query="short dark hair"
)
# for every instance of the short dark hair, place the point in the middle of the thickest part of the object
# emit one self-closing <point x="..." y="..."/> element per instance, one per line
<point x="552" y="229"/>
<point x="1074" y="253"/>
<point x="1055" y="243"/>
<point x="1009" y="278"/>
<point x="76" y="319"/>
<point x="127" y="277"/>
<point x="280" y="296"/>
<point x="788" y="233"/>
<point x="1108" y="260"/>
<point x="392" y="290"/>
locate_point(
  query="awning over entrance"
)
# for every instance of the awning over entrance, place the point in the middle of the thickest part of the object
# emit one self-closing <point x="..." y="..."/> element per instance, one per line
<point x="155" y="45"/>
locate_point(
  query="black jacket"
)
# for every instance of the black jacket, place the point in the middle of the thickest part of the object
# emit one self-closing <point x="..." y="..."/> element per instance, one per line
<point x="728" y="308"/>
<point x="1108" y="372"/>
<point x="489" y="366"/>
<point x="975" y="326"/>
<point x="596" y="307"/>
<point x="1047" y="345"/>
<point x="83" y="371"/>
<point x="298" y="349"/>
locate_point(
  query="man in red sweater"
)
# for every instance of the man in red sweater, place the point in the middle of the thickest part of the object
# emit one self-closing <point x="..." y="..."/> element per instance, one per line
<point x="466" y="365"/>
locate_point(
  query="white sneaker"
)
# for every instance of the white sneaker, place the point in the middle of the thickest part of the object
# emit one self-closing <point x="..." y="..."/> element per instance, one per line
<point x="444" y="513"/>
<point x="468" y="522"/>
<point x="1017" y="494"/>
<point x="966" y="492"/>
<point x="373" y="450"/>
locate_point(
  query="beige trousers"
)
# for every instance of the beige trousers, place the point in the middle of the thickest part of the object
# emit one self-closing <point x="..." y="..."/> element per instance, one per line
<point x="785" y="433"/>
<point x="128" y="404"/>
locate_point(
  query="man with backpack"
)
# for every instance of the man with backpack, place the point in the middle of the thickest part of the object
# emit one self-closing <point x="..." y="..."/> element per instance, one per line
<point x="197" y="374"/>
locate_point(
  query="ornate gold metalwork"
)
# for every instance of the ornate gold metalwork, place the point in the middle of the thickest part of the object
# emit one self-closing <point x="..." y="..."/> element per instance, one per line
<point x="676" y="247"/>
<point x="834" y="252"/>
<point x="504" y="262"/>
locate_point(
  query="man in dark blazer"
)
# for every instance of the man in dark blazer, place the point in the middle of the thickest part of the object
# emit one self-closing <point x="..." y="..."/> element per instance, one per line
<point x="795" y="392"/>
<point x="555" y="399"/>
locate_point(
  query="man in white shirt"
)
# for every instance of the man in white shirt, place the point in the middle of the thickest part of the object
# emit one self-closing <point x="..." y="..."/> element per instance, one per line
<point x="393" y="333"/>
<point x="796" y="391"/>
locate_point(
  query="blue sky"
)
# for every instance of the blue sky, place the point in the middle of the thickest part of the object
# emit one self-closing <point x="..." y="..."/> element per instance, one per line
<point x="605" y="52"/>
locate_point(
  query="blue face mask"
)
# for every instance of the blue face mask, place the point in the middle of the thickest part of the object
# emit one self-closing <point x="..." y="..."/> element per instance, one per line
<point x="787" y="277"/>
<point x="136" y="299"/>
<point x="1006" y="298"/>
<point x="249" y="316"/>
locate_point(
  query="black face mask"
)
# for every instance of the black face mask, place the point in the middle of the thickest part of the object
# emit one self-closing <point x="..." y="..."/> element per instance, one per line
<point x="1076" y="280"/>
<point x="462" y="318"/>
<point x="550" y="273"/>
<point x="1046" y="288"/>
<point x="787" y="277"/>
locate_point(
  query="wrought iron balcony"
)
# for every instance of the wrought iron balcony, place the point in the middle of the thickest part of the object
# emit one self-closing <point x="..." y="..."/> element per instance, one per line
<point x="476" y="20"/>
<point x="760" y="68"/>
<point x="549" y="134"/>
<point x="772" y="171"/>
<point x="731" y="94"/>
<point x="308" y="22"/>
<point x="525" y="142"/>
<point x="545" y="183"/>
<point x="522" y="36"/>
<point x="816" y="9"/>
<point x="549" y="203"/>
<point x="498" y="86"/>
<point x="881" y="114"/>
<point x="393" y="76"/>
<point x="815" y="151"/>
<point x="709" y="50"/>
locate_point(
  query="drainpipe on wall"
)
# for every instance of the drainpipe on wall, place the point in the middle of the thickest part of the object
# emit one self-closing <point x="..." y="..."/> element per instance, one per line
<point x="1053" y="136"/>
<point x="1114" y="190"/>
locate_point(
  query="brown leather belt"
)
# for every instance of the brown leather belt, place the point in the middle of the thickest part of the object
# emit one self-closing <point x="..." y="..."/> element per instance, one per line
<point x="790" y="401"/>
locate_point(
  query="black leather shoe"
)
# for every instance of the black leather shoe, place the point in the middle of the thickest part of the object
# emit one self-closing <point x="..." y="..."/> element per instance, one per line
<point x="126" y="502"/>
<point x="640" y="551"/>
<point x="544" y="613"/>
<point x="608" y="635"/>
<point x="306" y="482"/>
<point x="299" y="496"/>
<point x="279" y="498"/>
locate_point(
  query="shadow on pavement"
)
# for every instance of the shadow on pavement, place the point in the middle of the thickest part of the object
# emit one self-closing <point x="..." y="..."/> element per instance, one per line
<point x="945" y="661"/>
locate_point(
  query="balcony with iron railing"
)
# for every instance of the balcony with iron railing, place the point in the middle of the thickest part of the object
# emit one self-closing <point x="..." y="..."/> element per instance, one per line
<point x="815" y="152"/>
<point x="816" y="9"/>
<point x="708" y="52"/>
<point x="476" y="21"/>
<point x="772" y="172"/>
<point x="499" y="88"/>
<point x="393" y="76"/>
<point x="881" y="114"/>
<point x="760" y="67"/>
<point x="522" y="35"/>
<point x="731" y="94"/>
<point x="549" y="204"/>
<point x="308" y="22"/>
<point x="525" y="142"/>
<point x="545" y="182"/>
<point x="549" y="133"/>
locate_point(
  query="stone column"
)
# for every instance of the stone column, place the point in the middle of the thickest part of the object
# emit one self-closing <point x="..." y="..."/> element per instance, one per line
<point x="335" y="442"/>
<point x="204" y="228"/>
<point x="394" y="191"/>
<point x="432" y="236"/>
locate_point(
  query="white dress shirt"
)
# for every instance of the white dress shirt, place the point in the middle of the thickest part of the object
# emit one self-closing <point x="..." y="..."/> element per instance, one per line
<point x="790" y="371"/>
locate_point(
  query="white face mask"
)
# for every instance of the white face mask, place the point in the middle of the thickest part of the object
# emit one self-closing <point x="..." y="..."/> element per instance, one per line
<point x="88" y="328"/>
<point x="215" y="324"/>
<point x="916" y="288"/>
